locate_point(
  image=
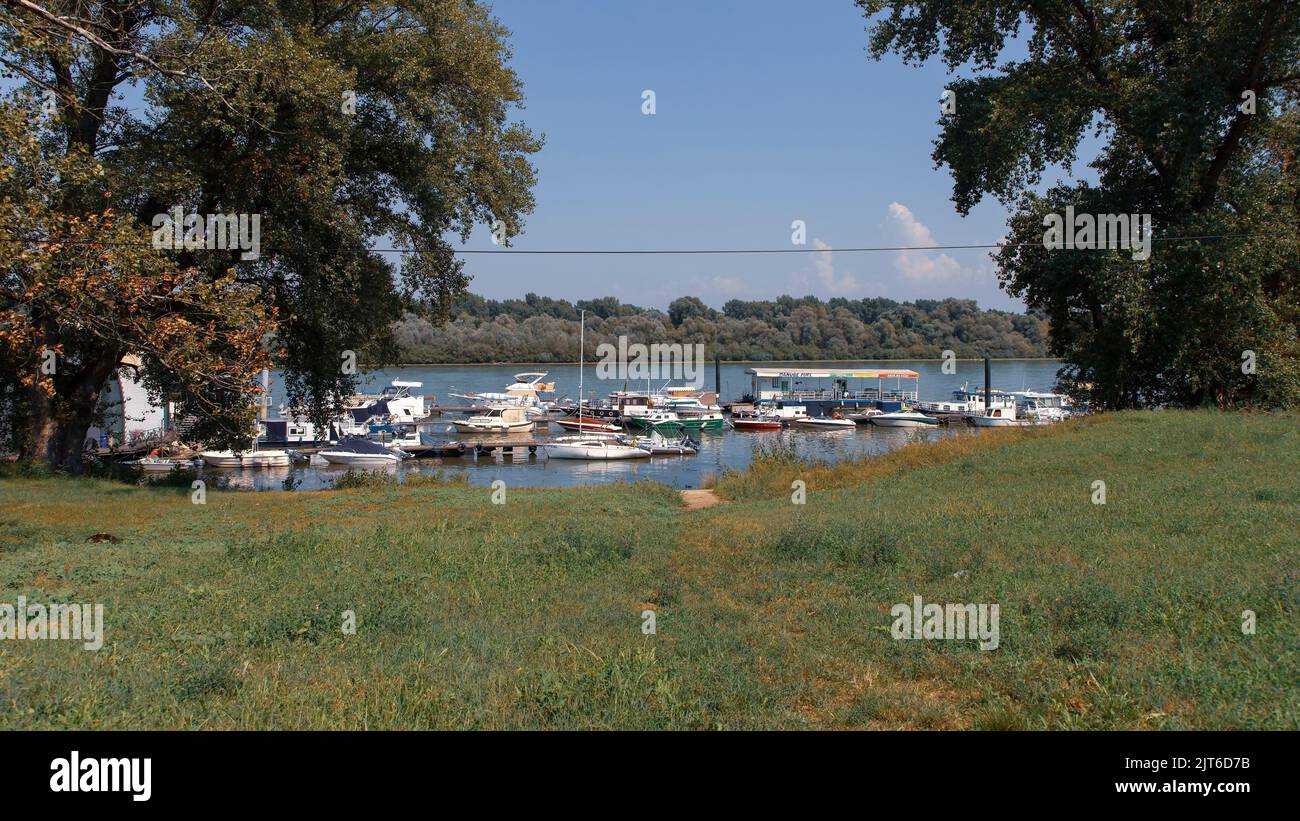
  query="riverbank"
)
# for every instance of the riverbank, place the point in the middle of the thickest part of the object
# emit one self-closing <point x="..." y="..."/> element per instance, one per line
<point x="535" y="612"/>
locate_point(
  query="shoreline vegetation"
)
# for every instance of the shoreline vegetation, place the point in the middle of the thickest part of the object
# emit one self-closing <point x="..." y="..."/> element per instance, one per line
<point x="541" y="330"/>
<point x="468" y="614"/>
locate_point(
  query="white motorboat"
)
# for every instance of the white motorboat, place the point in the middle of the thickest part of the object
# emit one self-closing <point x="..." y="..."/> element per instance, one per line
<point x="1000" y="418"/>
<point x="156" y="464"/>
<point x="1043" y="408"/>
<point x="354" y="452"/>
<point x="904" y="419"/>
<point x="497" y="420"/>
<point x="826" y="422"/>
<point x="245" y="459"/>
<point x="864" y="417"/>
<point x="588" y="446"/>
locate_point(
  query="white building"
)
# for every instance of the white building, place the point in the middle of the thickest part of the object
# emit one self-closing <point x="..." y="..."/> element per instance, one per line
<point x="126" y="409"/>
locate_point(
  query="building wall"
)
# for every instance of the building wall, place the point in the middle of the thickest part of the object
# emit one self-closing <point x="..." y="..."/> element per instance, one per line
<point x="126" y="408"/>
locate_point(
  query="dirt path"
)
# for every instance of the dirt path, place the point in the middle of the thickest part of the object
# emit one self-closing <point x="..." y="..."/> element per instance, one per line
<point x="700" y="499"/>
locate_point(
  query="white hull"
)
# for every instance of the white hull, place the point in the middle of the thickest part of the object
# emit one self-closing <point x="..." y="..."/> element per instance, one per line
<point x="470" y="426"/>
<point x="161" y="465"/>
<point x="587" y="447"/>
<point x="819" y="422"/>
<point x="339" y="457"/>
<point x="248" y="459"/>
<point x="998" y="422"/>
<point x="904" y="420"/>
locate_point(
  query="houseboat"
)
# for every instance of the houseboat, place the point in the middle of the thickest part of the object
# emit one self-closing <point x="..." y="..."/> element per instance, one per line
<point x="822" y="392"/>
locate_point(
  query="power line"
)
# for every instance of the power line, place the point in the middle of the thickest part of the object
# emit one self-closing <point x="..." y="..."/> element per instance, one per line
<point x="677" y="251"/>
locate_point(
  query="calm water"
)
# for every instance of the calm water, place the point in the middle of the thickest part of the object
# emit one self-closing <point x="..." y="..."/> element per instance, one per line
<point x="719" y="449"/>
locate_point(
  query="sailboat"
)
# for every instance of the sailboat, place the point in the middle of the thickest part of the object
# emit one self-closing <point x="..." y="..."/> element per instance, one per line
<point x="589" y="445"/>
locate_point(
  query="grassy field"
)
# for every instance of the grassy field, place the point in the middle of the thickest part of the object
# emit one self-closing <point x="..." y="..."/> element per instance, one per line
<point x="768" y="614"/>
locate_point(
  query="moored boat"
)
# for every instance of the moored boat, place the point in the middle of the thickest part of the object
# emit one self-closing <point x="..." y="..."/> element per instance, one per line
<point x="1000" y="418"/>
<point x="591" y="424"/>
<point x="355" y="452"/>
<point x="497" y="420"/>
<point x="904" y="419"/>
<point x="756" y="422"/>
<point x="826" y="422"/>
<point x="590" y="446"/>
<point x="245" y="459"/>
<point x="660" y="445"/>
<point x="156" y="464"/>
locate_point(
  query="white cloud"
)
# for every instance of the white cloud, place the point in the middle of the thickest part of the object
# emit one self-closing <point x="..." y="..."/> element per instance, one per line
<point x="921" y="266"/>
<point x="824" y="280"/>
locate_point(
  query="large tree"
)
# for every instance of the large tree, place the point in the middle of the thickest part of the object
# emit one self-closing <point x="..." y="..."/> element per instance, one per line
<point x="346" y="126"/>
<point x="1194" y="103"/>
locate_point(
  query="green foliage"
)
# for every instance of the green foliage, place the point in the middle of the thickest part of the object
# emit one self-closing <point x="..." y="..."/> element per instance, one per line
<point x="373" y="125"/>
<point x="1197" y="110"/>
<point x="540" y="329"/>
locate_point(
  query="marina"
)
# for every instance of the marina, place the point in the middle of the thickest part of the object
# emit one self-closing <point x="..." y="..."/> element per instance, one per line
<point x="859" y="411"/>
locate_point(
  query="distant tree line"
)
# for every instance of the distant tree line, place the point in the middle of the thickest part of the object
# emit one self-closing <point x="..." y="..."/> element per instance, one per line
<point x="541" y="329"/>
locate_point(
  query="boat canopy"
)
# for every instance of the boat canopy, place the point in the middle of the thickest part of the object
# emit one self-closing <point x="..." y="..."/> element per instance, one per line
<point x="882" y="373"/>
<point x="377" y="408"/>
<point x="354" y="444"/>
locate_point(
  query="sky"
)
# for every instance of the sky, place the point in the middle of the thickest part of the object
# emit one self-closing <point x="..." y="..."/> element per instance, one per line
<point x="765" y="113"/>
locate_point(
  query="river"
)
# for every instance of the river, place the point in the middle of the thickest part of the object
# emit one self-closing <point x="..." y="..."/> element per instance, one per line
<point x="720" y="450"/>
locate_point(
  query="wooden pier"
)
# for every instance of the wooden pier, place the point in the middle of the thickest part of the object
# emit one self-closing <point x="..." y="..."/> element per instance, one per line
<point x="506" y="447"/>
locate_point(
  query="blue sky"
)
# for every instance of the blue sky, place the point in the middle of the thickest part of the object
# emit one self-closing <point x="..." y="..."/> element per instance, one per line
<point x="765" y="113"/>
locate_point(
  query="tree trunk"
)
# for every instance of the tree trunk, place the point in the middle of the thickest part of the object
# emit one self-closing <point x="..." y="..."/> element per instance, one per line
<point x="55" y="428"/>
<point x="36" y="440"/>
<point x="80" y="404"/>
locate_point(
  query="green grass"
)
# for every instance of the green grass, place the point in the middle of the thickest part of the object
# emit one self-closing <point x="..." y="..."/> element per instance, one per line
<point x="528" y="614"/>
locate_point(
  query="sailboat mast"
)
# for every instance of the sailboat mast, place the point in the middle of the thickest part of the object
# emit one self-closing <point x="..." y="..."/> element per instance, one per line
<point x="582" y="345"/>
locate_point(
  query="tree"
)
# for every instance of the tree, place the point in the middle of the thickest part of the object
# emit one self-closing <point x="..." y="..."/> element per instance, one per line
<point x="93" y="278"/>
<point x="341" y="126"/>
<point x="688" y="307"/>
<point x="1196" y="104"/>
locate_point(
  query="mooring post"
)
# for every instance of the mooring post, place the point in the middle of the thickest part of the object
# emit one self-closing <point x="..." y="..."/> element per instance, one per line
<point x="988" y="406"/>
